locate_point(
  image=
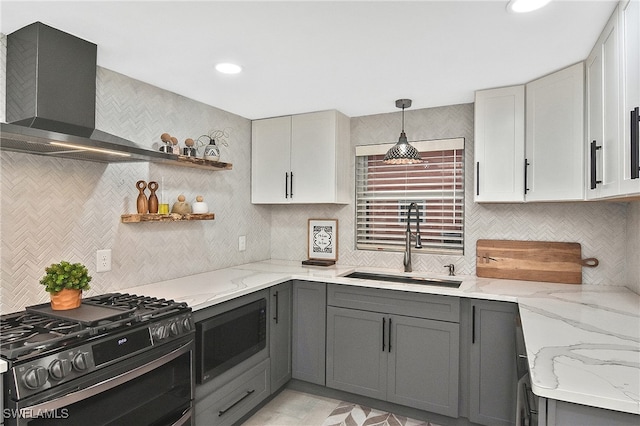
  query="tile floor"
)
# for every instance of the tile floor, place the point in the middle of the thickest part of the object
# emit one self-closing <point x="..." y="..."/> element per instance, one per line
<point x="293" y="408"/>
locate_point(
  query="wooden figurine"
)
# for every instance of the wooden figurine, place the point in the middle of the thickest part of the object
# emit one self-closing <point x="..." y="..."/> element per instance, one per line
<point x="142" y="203"/>
<point x="153" y="198"/>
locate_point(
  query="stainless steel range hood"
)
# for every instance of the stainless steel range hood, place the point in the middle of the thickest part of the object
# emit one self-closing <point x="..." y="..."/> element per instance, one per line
<point x="51" y="97"/>
<point x="101" y="147"/>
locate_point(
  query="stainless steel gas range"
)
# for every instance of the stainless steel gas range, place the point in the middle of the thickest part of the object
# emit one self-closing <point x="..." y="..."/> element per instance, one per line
<point x="117" y="359"/>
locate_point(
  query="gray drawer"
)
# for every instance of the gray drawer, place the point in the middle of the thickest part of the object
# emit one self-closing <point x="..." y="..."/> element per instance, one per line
<point x="230" y="402"/>
<point x="419" y="305"/>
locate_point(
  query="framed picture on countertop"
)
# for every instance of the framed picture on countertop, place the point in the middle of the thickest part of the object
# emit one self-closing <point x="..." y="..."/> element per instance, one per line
<point x="322" y="239"/>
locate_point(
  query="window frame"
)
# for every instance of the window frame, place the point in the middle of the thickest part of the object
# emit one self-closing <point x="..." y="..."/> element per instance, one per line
<point x="450" y="198"/>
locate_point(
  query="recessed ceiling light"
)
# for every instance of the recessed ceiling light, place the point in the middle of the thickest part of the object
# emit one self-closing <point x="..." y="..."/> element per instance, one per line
<point x="522" y="6"/>
<point x="228" y="68"/>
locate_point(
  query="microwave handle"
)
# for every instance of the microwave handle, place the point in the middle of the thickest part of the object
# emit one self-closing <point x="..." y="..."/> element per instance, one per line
<point x="105" y="385"/>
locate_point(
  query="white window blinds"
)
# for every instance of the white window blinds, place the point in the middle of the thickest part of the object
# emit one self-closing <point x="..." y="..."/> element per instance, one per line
<point x="384" y="192"/>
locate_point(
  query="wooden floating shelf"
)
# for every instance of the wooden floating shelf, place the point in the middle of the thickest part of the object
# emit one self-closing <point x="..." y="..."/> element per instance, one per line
<point x="171" y="217"/>
<point x="201" y="163"/>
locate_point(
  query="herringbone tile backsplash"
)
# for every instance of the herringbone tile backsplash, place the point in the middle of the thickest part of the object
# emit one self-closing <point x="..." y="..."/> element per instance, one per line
<point x="55" y="209"/>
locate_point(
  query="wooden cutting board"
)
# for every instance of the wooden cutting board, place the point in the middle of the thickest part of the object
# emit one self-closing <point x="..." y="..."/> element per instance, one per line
<point x="547" y="261"/>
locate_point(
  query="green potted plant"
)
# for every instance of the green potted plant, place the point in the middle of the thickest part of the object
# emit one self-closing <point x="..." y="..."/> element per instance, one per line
<point x="65" y="281"/>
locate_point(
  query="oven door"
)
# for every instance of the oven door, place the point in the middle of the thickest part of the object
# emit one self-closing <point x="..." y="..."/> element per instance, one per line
<point x="153" y="388"/>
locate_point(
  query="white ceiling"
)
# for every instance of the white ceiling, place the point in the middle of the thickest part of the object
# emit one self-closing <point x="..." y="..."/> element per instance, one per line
<point x="300" y="56"/>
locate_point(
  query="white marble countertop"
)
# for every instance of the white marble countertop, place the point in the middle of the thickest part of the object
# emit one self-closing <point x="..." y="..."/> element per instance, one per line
<point x="583" y="342"/>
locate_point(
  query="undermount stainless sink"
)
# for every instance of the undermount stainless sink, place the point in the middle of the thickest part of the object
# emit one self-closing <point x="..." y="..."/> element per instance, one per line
<point x="405" y="279"/>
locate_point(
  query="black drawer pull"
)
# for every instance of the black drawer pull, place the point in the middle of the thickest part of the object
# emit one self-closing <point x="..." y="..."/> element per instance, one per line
<point x="478" y="178"/>
<point x="635" y="143"/>
<point x="291" y="186"/>
<point x="594" y="149"/>
<point x="383" y="327"/>
<point x="526" y="166"/>
<point x="276" y="314"/>
<point x="246" y="395"/>
<point x="389" y="335"/>
<point x="286" y="185"/>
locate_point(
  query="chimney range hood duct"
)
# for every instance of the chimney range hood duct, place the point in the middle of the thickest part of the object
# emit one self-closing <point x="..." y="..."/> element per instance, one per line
<point x="51" y="100"/>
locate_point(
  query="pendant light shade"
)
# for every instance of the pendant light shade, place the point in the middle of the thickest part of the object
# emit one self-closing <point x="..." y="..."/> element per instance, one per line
<point x="402" y="152"/>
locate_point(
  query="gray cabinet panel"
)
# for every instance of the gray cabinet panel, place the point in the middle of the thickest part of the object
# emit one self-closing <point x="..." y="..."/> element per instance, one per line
<point x="355" y="359"/>
<point x="423" y="364"/>
<point x="231" y="402"/>
<point x="493" y="377"/>
<point x="432" y="306"/>
<point x="309" y="337"/>
<point x="280" y="334"/>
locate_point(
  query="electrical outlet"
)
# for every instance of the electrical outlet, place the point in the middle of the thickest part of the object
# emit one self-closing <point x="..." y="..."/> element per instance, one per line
<point x="103" y="260"/>
<point x="242" y="243"/>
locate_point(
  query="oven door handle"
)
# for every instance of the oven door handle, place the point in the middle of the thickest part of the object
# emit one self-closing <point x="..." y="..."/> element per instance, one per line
<point x="71" y="398"/>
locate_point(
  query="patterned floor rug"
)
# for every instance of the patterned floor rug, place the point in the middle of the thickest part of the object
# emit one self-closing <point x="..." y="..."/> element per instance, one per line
<point x="349" y="414"/>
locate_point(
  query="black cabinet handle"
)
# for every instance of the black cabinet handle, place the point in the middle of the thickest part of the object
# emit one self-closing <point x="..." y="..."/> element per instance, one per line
<point x="526" y="167"/>
<point x="291" y="186"/>
<point x="473" y="324"/>
<point x="478" y="178"/>
<point x="246" y="395"/>
<point x="286" y="185"/>
<point x="383" y="327"/>
<point x="276" y="317"/>
<point x="635" y="143"/>
<point x="594" y="178"/>
<point x="389" y="345"/>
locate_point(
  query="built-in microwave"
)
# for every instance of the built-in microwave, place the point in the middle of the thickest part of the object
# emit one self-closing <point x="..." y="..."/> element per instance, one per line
<point x="229" y="338"/>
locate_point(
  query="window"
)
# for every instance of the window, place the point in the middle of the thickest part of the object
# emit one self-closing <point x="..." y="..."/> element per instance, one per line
<point x="384" y="192"/>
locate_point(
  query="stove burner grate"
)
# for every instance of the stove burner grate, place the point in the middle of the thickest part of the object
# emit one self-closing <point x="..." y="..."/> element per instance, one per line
<point x="38" y="329"/>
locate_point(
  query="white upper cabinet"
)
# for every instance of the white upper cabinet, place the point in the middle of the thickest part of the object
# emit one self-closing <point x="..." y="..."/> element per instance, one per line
<point x="630" y="151"/>
<point x="301" y="159"/>
<point x="554" y="135"/>
<point x="613" y="99"/>
<point x="270" y="159"/>
<point x="603" y="100"/>
<point x="528" y="140"/>
<point x="499" y="144"/>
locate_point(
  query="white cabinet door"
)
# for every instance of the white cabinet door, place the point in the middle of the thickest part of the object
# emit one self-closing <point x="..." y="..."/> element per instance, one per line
<point x="554" y="136"/>
<point x="603" y="95"/>
<point x="317" y="151"/>
<point x="270" y="160"/>
<point x="630" y="151"/>
<point x="499" y="144"/>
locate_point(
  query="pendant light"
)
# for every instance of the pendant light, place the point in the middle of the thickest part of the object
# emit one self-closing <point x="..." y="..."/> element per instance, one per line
<point x="402" y="152"/>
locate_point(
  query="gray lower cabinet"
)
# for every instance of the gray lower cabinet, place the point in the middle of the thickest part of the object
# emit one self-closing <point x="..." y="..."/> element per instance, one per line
<point x="308" y="332"/>
<point x="280" y="334"/>
<point x="356" y="360"/>
<point x="230" y="402"/>
<point x="492" y="367"/>
<point x="398" y="358"/>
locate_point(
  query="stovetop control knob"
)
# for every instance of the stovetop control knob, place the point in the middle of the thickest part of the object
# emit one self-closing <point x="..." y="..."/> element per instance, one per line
<point x="59" y="368"/>
<point x="80" y="361"/>
<point x="186" y="324"/>
<point x="173" y="329"/>
<point x="35" y="377"/>
<point x="161" y="332"/>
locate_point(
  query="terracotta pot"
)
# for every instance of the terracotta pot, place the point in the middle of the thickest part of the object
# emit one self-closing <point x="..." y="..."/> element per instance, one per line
<point x="66" y="299"/>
